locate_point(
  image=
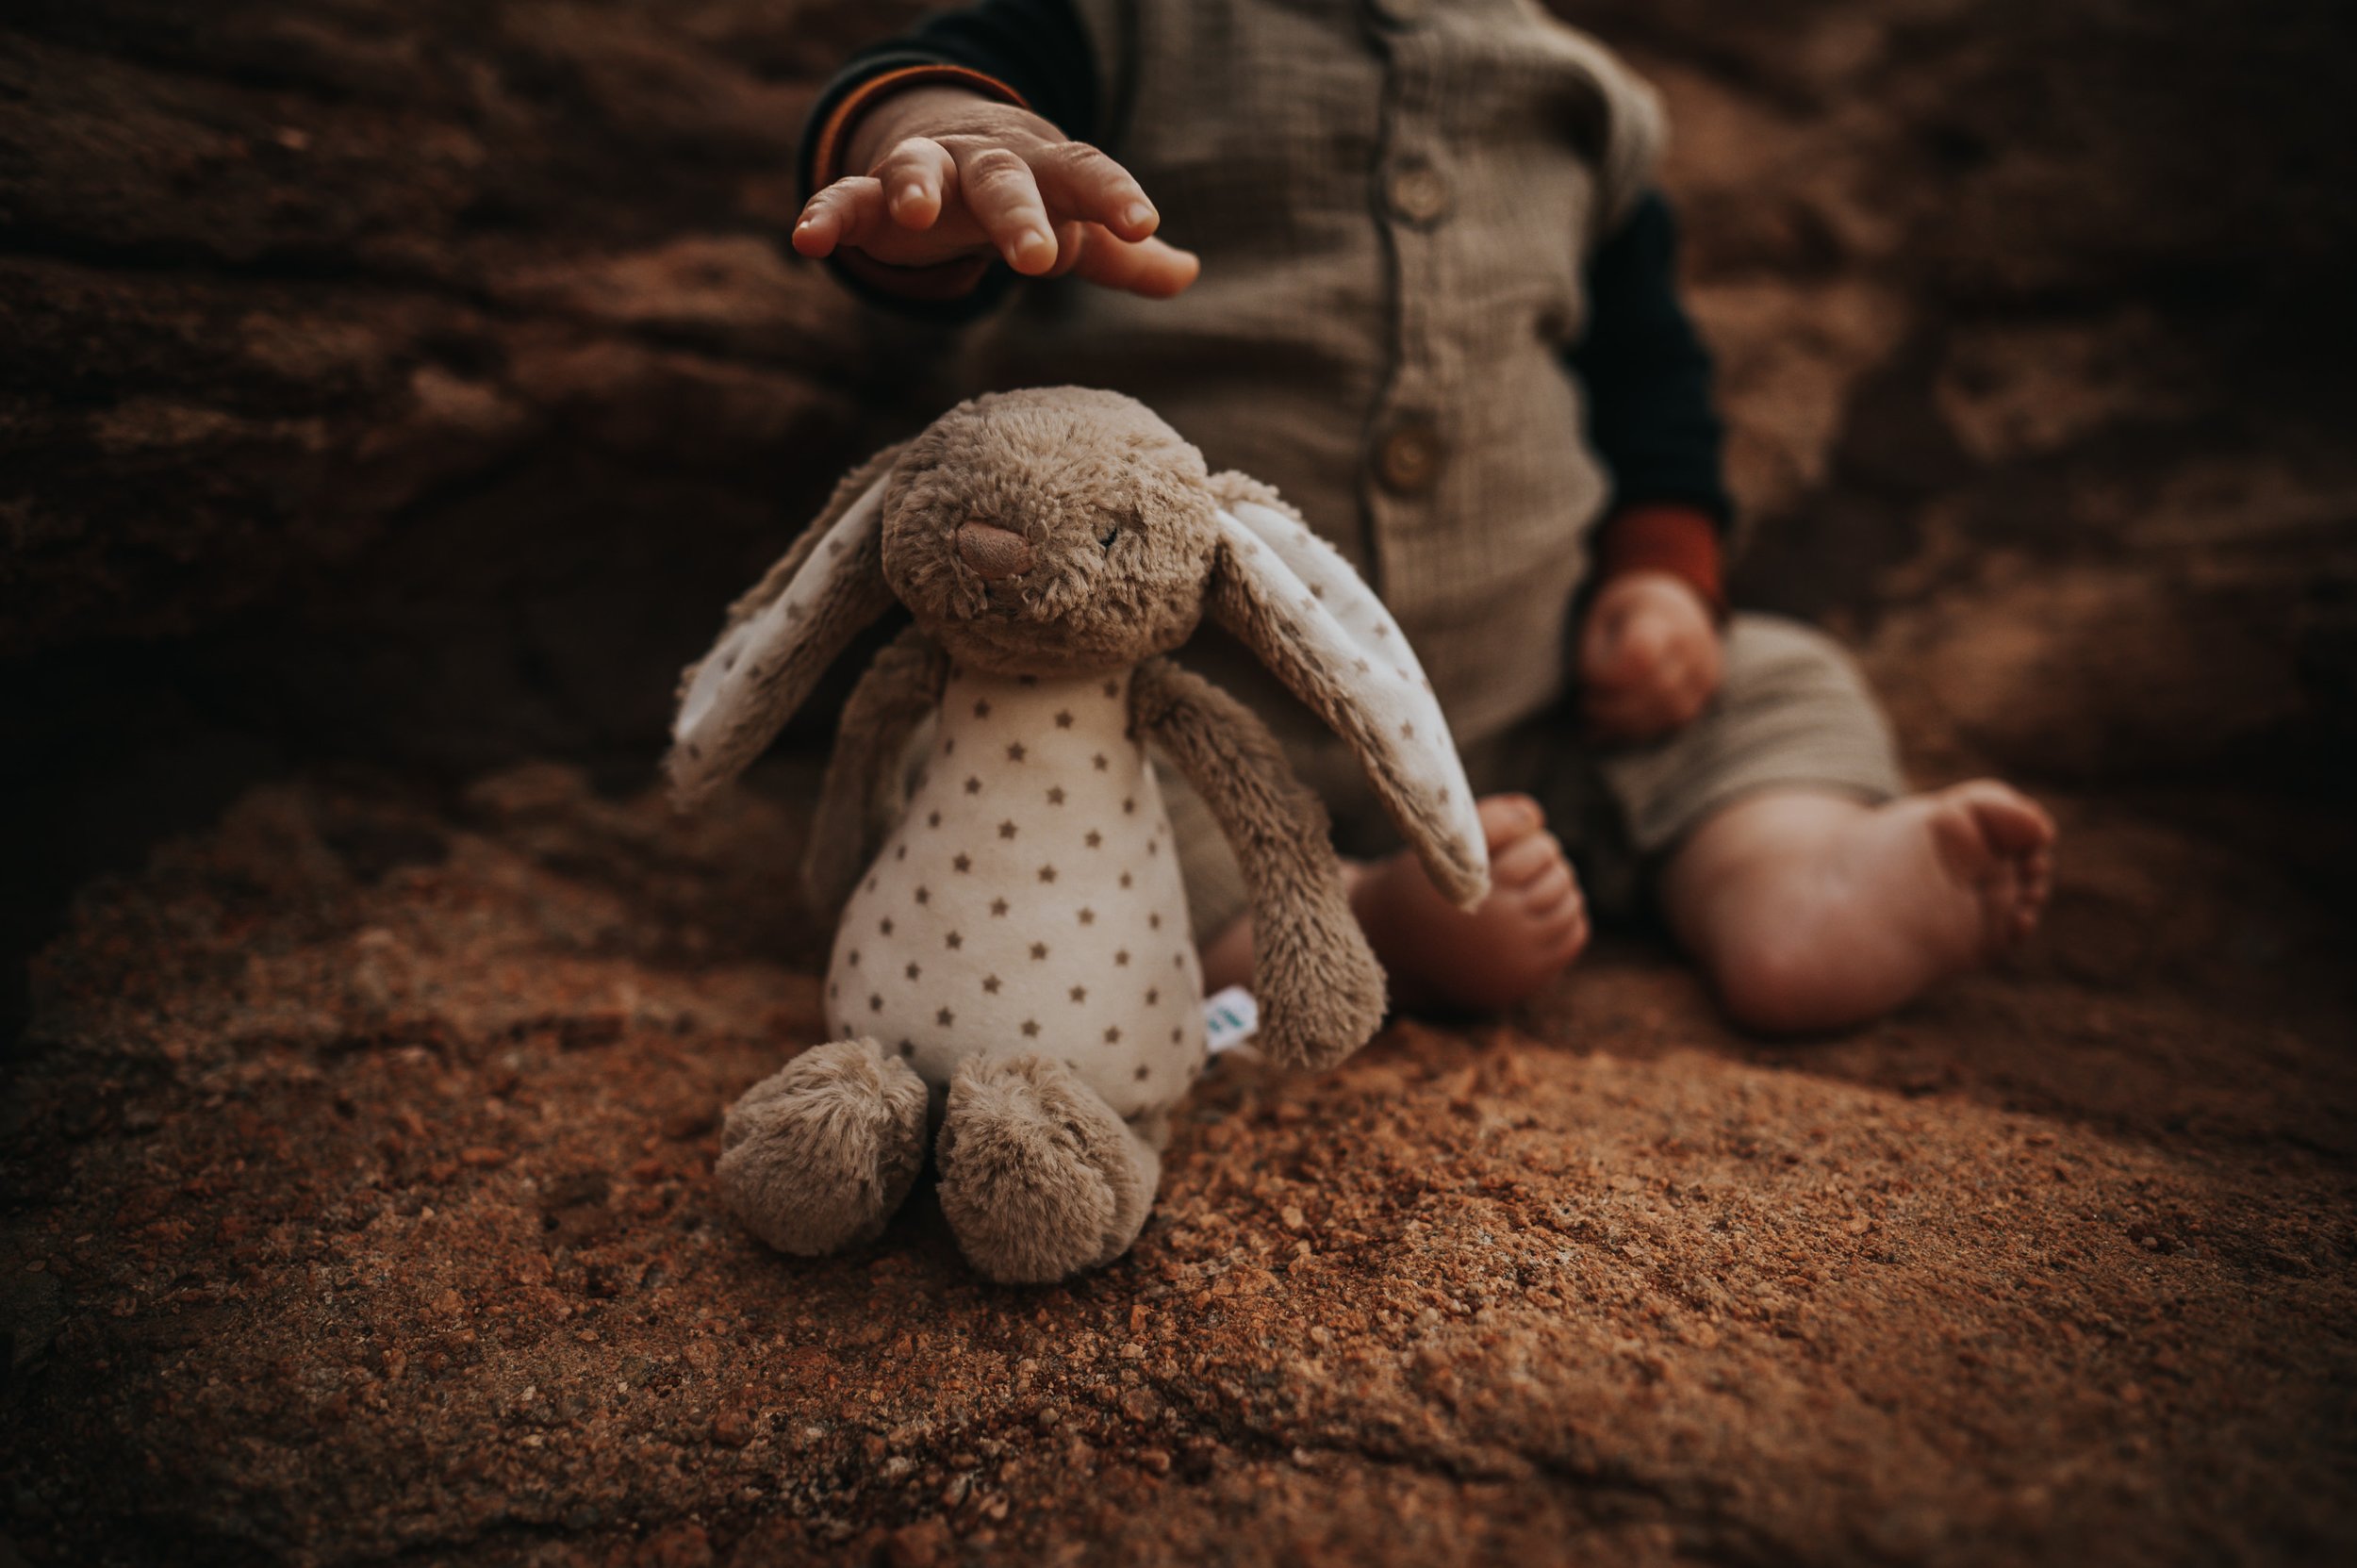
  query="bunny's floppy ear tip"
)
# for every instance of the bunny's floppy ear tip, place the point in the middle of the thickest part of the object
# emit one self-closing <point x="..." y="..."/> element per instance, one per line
<point x="685" y="784"/>
<point x="779" y="638"/>
<point x="1459" y="864"/>
<point x="690" y="772"/>
<point x="1465" y="885"/>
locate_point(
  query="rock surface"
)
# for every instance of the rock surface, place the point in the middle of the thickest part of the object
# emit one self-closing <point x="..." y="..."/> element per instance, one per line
<point x="396" y="392"/>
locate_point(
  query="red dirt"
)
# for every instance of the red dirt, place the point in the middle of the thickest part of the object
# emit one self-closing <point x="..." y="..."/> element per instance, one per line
<point x="365" y="1211"/>
<point x="397" y="390"/>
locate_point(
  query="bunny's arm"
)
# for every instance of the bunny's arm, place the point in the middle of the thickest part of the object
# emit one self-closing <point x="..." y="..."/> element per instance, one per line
<point x="898" y="689"/>
<point x="1318" y="984"/>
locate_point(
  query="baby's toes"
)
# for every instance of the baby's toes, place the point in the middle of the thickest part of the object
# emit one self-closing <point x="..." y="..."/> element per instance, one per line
<point x="1540" y="896"/>
<point x="2014" y="898"/>
<point x="2033" y="869"/>
<point x="2009" y="821"/>
<point x="1530" y="859"/>
<point x="1507" y="820"/>
<point x="2036" y="889"/>
<point x="1567" y="934"/>
<point x="1554" y="916"/>
<point x="2037" y="878"/>
<point x="2019" y="915"/>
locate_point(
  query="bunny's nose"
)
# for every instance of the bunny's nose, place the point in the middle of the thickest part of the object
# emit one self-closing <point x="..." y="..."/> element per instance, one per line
<point x="996" y="553"/>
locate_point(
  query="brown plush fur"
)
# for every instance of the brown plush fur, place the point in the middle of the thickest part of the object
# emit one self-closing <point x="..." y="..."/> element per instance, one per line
<point x="1112" y="504"/>
<point x="817" y="1157"/>
<point x="1319" y="986"/>
<point x="896" y="692"/>
<point x="1039" y="1179"/>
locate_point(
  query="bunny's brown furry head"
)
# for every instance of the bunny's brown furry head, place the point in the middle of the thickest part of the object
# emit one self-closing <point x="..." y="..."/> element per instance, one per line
<point x="1117" y="524"/>
<point x="1060" y="531"/>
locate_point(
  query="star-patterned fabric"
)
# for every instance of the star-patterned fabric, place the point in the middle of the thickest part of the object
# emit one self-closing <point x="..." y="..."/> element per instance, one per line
<point x="1357" y="648"/>
<point x="734" y="703"/>
<point x="1030" y="900"/>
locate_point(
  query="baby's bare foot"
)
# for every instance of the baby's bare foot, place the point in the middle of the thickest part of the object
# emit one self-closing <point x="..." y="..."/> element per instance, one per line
<point x="1997" y="847"/>
<point x="1533" y="923"/>
<point x="1817" y="913"/>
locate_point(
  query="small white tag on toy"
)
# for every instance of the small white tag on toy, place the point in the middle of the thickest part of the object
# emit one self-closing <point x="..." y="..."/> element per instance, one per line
<point x="1229" y="1020"/>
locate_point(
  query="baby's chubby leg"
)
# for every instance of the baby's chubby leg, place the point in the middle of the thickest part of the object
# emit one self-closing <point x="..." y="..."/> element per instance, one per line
<point x="1533" y="924"/>
<point x="1814" y="911"/>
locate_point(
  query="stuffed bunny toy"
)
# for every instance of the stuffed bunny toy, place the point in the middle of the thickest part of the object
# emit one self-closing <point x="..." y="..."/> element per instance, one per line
<point x="1013" y="959"/>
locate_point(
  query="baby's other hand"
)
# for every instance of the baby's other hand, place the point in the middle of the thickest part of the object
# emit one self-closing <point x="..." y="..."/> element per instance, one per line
<point x="949" y="175"/>
<point x="1649" y="657"/>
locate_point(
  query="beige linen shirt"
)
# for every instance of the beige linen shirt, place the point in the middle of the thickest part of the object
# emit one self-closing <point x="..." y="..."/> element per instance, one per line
<point x="1394" y="201"/>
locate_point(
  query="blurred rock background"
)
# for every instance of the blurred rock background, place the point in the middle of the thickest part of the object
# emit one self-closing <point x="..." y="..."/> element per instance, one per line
<point x="406" y="384"/>
<point x="395" y="392"/>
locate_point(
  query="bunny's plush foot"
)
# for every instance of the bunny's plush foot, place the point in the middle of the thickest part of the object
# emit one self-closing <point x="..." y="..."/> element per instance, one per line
<point x="816" y="1157"/>
<point x="1039" y="1179"/>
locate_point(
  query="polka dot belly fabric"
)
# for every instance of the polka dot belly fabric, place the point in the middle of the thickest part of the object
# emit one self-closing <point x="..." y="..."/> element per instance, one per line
<point x="1030" y="900"/>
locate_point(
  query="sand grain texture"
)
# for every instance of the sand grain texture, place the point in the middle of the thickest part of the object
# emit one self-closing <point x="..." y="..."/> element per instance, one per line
<point x="371" y="1213"/>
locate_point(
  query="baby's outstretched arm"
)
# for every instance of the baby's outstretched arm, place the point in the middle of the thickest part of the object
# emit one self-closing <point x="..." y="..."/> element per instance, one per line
<point x="937" y="174"/>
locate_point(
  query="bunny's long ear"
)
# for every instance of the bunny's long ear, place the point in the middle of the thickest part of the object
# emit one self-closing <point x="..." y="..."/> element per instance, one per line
<point x="780" y="637"/>
<point x="1289" y="597"/>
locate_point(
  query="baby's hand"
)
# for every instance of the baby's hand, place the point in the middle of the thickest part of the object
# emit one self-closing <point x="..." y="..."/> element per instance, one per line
<point x="951" y="174"/>
<point x="1649" y="657"/>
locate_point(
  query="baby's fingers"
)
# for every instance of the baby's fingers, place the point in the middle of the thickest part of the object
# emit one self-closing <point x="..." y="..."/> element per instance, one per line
<point x="919" y="178"/>
<point x="844" y="213"/>
<point x="1081" y="182"/>
<point x="1004" y="198"/>
<point x="1150" y="268"/>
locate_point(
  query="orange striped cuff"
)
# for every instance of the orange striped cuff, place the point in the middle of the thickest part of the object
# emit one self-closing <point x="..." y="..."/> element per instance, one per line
<point x="827" y="147"/>
<point x="1681" y="541"/>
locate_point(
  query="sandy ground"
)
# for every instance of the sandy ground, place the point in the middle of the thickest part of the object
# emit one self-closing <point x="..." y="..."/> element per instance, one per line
<point x="362" y="1210"/>
<point x="395" y="392"/>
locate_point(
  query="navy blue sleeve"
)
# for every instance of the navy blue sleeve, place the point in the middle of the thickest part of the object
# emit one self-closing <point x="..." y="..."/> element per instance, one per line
<point x="1037" y="47"/>
<point x="1647" y="374"/>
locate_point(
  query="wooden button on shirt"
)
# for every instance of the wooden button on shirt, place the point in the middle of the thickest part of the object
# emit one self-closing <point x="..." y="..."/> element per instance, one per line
<point x="1418" y="192"/>
<point x="1409" y="458"/>
<point x="1030" y="900"/>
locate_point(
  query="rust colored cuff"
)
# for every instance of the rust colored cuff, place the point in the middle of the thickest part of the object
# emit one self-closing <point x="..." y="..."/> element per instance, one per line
<point x="826" y="148"/>
<point x="1679" y="540"/>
